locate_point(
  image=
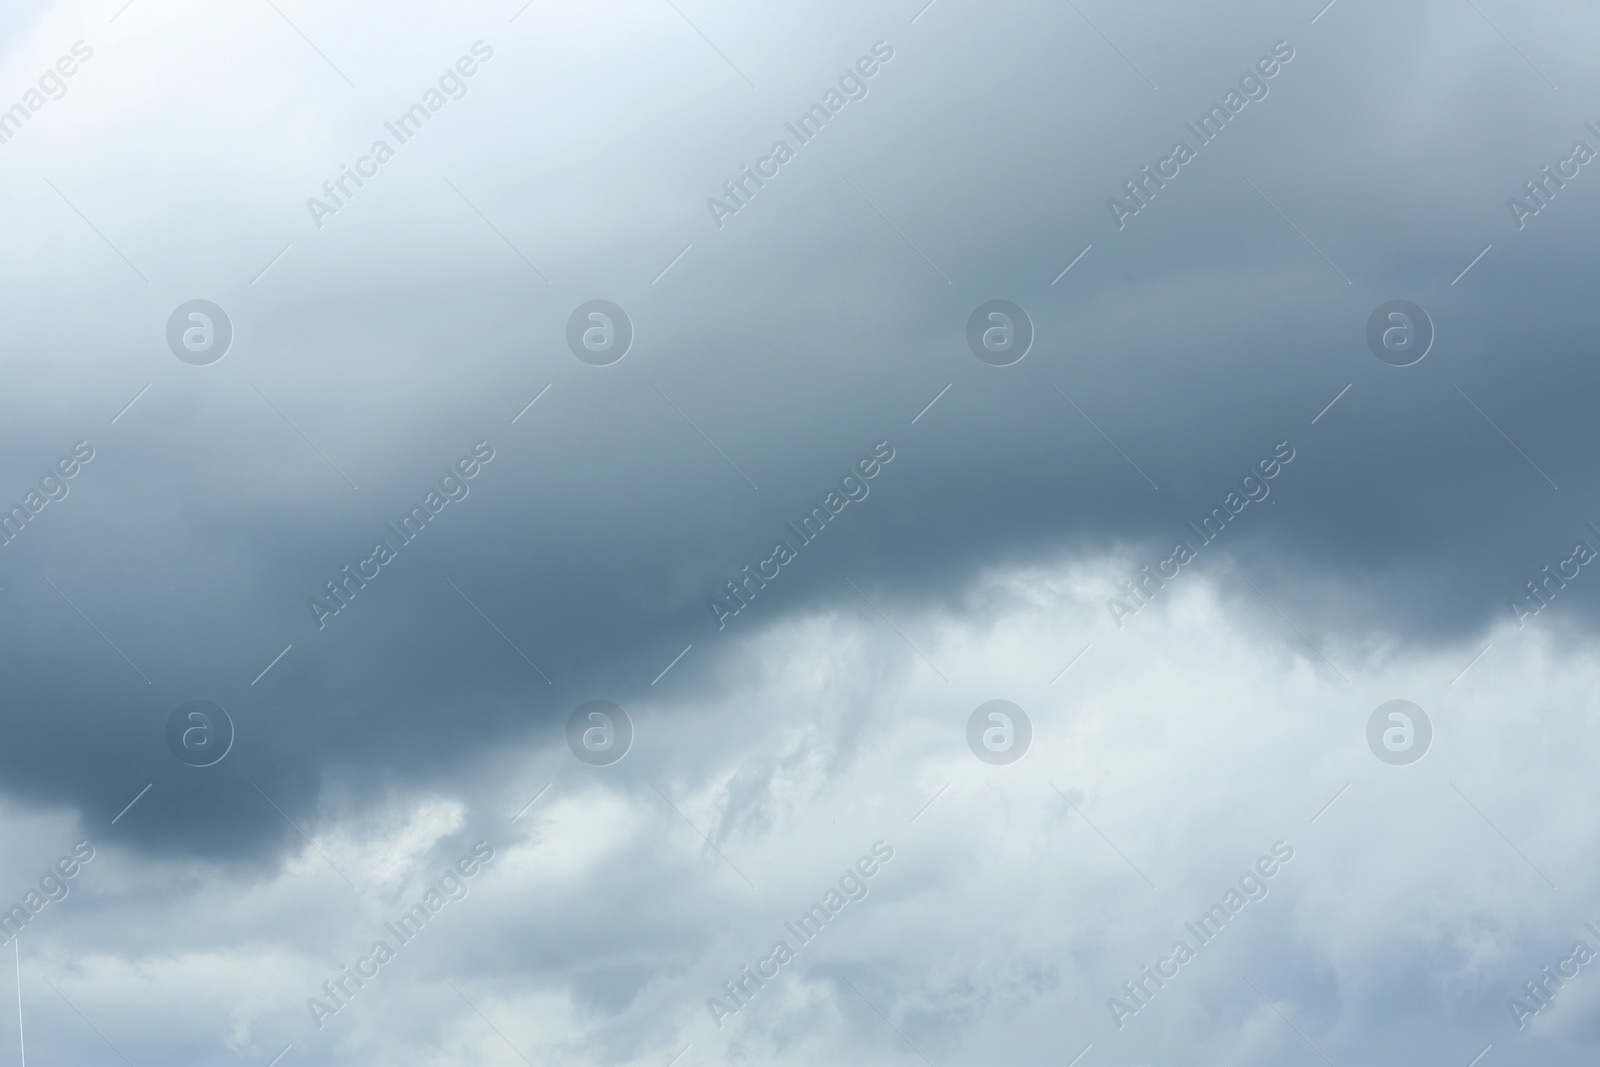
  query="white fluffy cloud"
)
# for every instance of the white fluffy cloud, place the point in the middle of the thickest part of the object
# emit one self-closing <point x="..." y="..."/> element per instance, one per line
<point x="1170" y="757"/>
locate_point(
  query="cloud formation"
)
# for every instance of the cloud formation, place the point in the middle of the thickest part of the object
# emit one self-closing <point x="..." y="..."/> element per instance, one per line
<point x="384" y="336"/>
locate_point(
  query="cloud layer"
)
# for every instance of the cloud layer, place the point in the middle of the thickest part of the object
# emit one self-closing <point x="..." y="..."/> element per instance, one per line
<point x="396" y="313"/>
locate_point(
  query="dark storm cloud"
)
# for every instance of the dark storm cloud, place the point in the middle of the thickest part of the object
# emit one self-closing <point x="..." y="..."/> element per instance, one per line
<point x="808" y="329"/>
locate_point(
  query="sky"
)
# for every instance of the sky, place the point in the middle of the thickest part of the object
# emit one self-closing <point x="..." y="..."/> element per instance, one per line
<point x="416" y="412"/>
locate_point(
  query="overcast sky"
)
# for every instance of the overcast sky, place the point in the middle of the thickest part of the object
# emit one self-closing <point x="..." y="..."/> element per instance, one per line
<point x="236" y="370"/>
